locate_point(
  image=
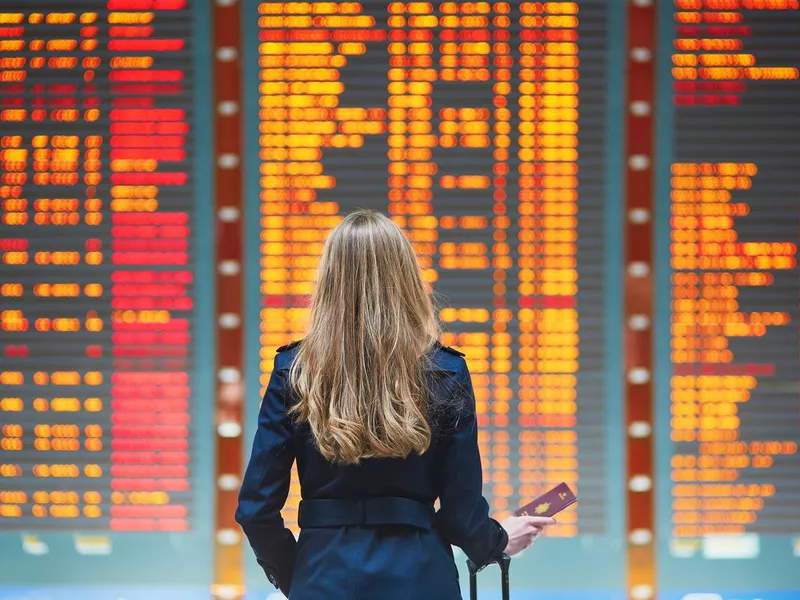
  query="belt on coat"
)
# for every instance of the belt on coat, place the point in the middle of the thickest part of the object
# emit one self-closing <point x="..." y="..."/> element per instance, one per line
<point x="365" y="512"/>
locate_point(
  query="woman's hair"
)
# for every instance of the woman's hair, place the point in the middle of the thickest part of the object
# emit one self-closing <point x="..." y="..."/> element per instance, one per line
<point x="358" y="374"/>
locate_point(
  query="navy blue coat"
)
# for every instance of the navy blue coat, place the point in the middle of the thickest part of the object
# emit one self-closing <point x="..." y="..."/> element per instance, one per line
<point x="412" y="559"/>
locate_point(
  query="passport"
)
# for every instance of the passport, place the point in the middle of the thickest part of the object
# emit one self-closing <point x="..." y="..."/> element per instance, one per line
<point x="549" y="503"/>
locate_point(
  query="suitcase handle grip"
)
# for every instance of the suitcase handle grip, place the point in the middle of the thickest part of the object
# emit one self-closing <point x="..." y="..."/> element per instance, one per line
<point x="505" y="564"/>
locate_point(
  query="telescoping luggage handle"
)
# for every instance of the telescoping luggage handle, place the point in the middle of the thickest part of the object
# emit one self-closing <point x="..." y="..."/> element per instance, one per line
<point x="505" y="564"/>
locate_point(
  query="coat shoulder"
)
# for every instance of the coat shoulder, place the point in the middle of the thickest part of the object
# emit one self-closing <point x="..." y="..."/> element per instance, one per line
<point x="450" y="350"/>
<point x="285" y="355"/>
<point x="444" y="358"/>
<point x="288" y="347"/>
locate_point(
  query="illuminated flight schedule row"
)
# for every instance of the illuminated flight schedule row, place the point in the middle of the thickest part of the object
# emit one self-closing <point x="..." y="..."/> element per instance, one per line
<point x="479" y="128"/>
<point x="97" y="259"/>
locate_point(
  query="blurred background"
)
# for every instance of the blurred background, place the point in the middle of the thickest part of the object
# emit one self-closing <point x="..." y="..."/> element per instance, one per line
<point x="605" y="198"/>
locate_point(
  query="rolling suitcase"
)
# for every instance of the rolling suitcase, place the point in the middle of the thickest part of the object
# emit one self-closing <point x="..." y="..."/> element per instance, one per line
<point x="505" y="564"/>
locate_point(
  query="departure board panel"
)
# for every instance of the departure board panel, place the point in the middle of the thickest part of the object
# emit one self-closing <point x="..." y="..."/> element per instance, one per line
<point x="98" y="315"/>
<point x="730" y="409"/>
<point x="480" y="128"/>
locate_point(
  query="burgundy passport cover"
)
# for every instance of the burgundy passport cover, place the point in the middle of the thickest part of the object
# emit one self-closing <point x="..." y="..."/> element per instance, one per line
<point x="549" y="503"/>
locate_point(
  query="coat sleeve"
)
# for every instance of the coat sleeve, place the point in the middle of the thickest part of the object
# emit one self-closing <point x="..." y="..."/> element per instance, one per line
<point x="463" y="518"/>
<point x="265" y="487"/>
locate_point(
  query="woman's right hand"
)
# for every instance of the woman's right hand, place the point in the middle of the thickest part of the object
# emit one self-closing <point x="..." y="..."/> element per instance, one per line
<point x="522" y="531"/>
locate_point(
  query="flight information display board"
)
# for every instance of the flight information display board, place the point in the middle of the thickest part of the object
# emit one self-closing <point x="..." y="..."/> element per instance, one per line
<point x="729" y="225"/>
<point x="101" y="302"/>
<point x="481" y="128"/>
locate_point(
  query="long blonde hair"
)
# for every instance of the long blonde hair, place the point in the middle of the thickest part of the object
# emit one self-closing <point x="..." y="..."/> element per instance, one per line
<point x="358" y="373"/>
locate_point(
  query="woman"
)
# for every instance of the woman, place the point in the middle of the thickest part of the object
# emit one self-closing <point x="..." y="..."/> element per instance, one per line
<point x="381" y="420"/>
